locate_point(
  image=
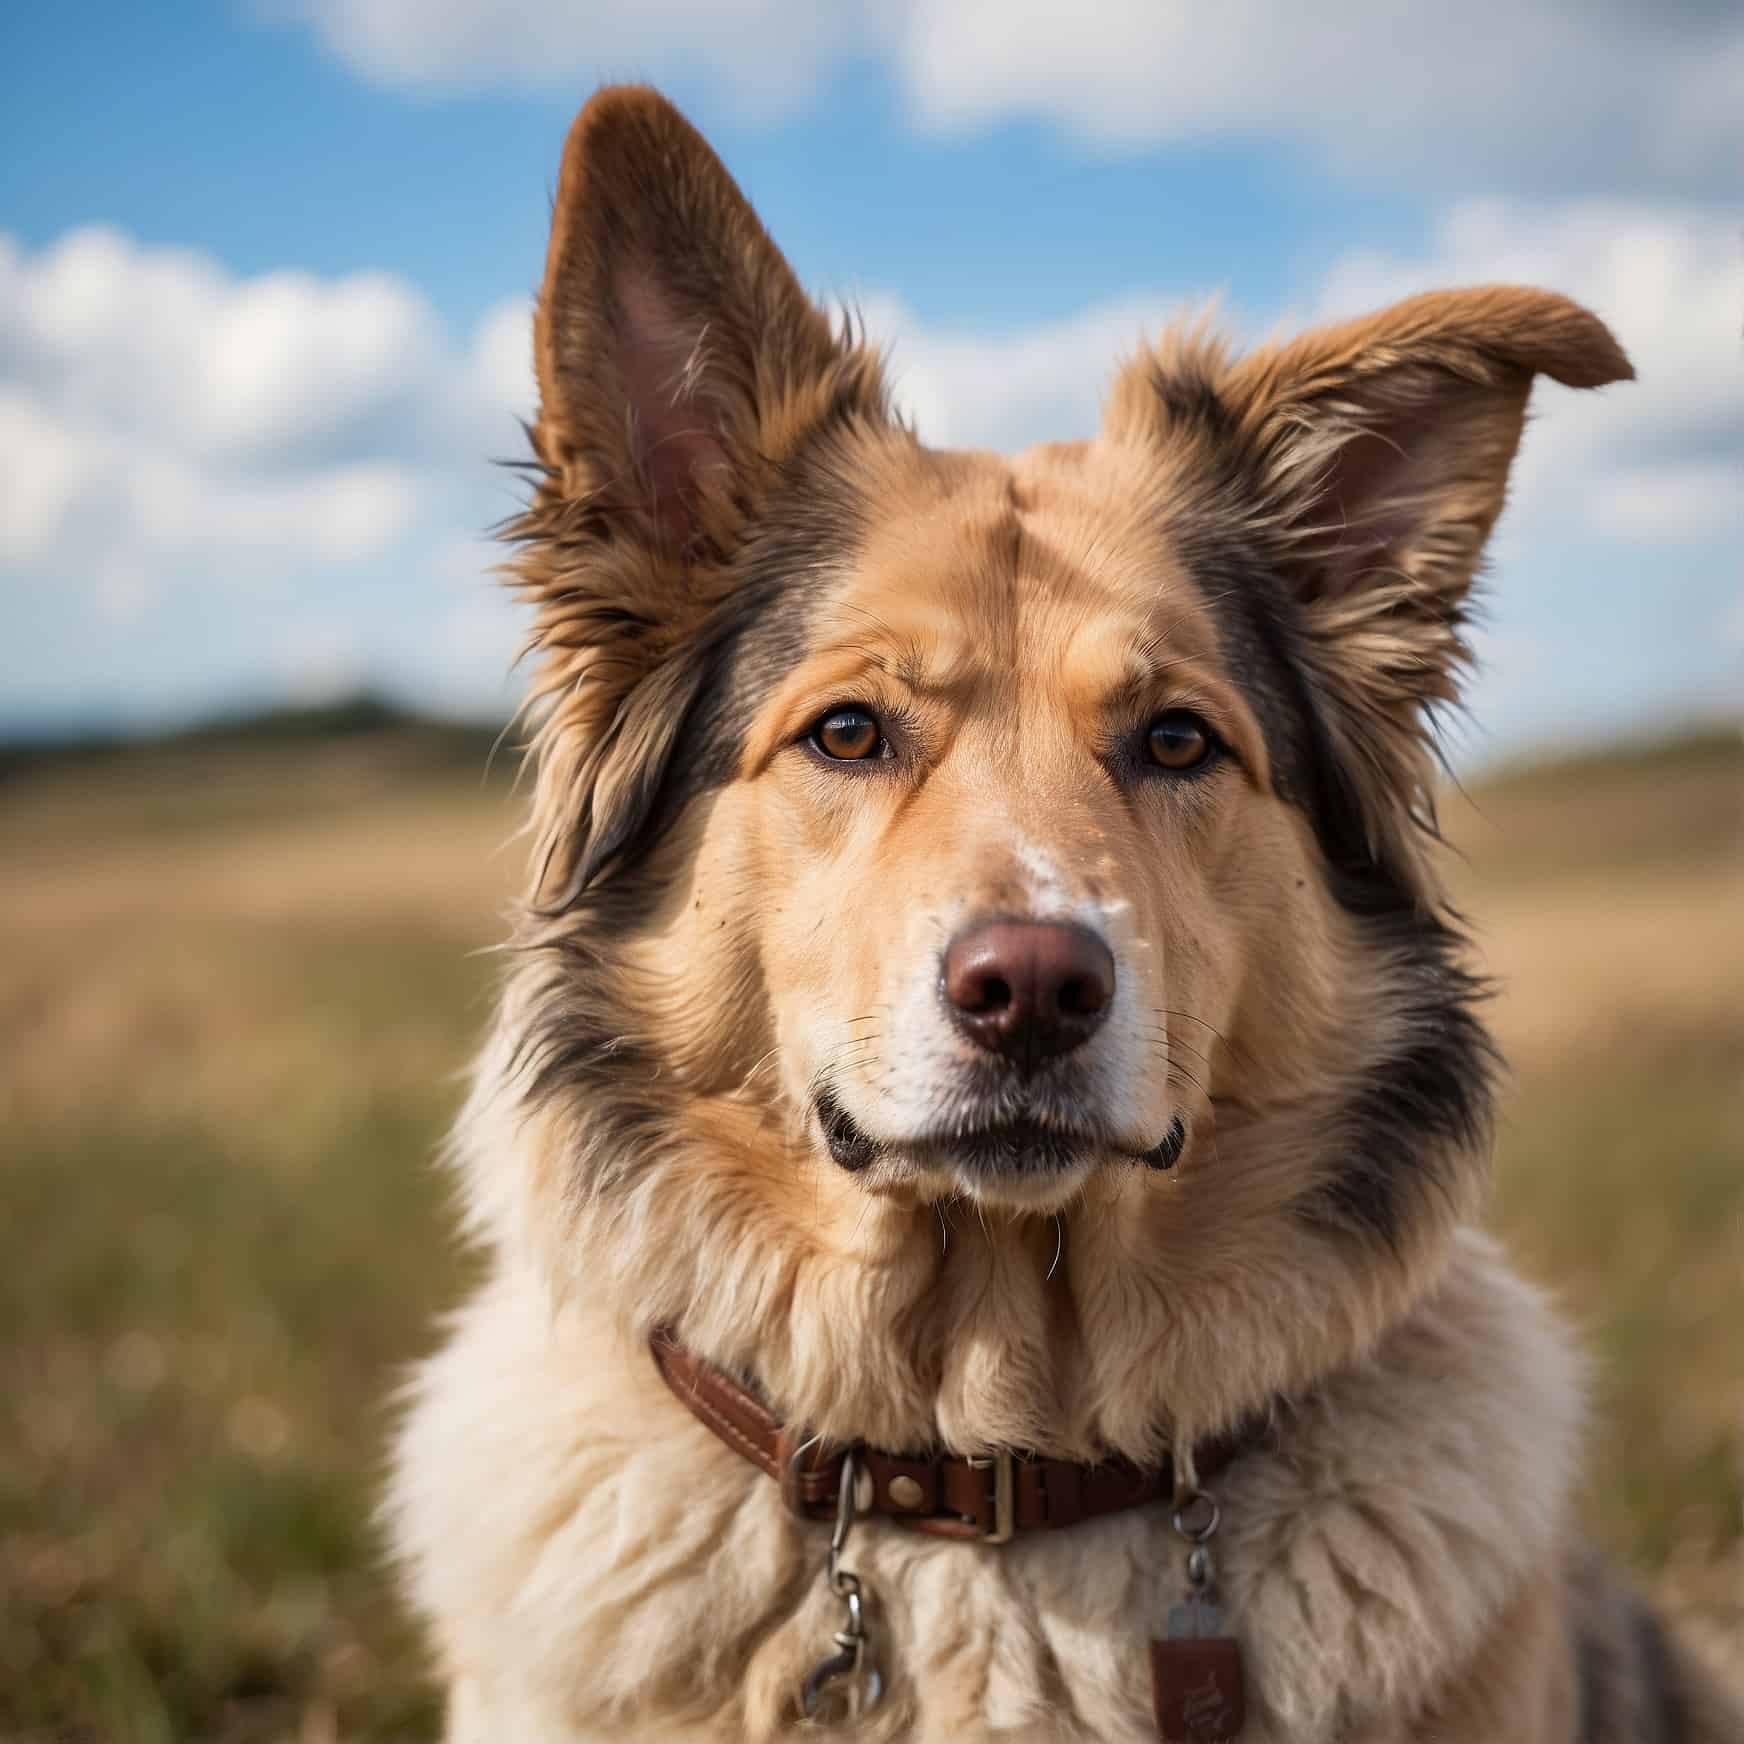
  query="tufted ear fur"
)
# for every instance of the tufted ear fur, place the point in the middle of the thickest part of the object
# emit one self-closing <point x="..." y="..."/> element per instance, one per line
<point x="1391" y="437"/>
<point x="1372" y="458"/>
<point x="680" y="369"/>
<point x="677" y="356"/>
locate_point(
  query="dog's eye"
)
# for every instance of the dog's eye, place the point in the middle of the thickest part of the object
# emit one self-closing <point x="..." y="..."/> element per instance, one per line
<point x="1179" y="740"/>
<point x="849" y="735"/>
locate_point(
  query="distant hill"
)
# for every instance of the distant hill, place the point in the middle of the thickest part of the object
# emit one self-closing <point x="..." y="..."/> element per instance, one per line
<point x="463" y="744"/>
<point x="1708" y="745"/>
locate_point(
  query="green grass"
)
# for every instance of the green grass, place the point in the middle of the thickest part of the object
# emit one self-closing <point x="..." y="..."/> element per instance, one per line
<point x="239" y="982"/>
<point x="1627" y="1192"/>
<point x="204" y="1319"/>
<point x="221" y="1233"/>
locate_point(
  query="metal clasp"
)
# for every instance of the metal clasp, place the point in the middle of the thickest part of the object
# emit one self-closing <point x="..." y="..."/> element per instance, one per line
<point x="1004" y="1496"/>
<point x="1196" y="1518"/>
<point x="851" y="1659"/>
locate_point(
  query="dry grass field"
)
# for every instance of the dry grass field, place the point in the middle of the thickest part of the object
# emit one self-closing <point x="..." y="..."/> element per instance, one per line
<point x="237" y="982"/>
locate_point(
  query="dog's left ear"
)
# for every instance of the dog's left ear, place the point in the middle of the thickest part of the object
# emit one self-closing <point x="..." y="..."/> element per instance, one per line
<point x="1383" y="445"/>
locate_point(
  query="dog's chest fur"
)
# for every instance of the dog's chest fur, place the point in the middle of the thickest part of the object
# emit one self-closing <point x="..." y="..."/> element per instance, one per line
<point x="606" y="1568"/>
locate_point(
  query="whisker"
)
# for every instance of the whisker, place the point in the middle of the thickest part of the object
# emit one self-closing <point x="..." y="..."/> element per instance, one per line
<point x="1166" y="1039"/>
<point x="1190" y="1017"/>
<point x="865" y="1206"/>
<point x="1176" y="1067"/>
<point x="1175" y="1041"/>
<point x="1234" y="1047"/>
<point x="751" y="1072"/>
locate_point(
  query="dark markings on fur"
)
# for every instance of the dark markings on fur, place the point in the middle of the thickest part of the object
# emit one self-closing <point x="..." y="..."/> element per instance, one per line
<point x="755" y="638"/>
<point x="1661" y="1701"/>
<point x="1258" y="643"/>
<point x="1425" y="1104"/>
<point x="1429" y="1098"/>
<point x="1191" y="398"/>
<point x="1633" y="1684"/>
<point x="1590" y="1682"/>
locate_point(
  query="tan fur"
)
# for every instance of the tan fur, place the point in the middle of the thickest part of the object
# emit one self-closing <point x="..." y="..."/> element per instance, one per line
<point x="719" y="923"/>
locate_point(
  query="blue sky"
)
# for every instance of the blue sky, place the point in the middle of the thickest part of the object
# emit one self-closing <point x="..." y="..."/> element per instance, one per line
<point x="265" y="269"/>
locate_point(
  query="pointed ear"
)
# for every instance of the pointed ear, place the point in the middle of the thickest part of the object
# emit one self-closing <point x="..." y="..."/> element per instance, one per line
<point x="1382" y="448"/>
<point x="1387" y="440"/>
<point x="678" y="360"/>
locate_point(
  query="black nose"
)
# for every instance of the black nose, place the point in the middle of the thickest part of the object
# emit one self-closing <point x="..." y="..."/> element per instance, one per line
<point x="1028" y="989"/>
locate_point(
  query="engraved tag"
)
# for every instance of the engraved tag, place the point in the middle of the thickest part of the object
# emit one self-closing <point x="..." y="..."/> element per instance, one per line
<point x="1196" y="1685"/>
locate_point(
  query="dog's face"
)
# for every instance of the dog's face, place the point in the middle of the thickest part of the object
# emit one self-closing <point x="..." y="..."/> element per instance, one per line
<point x="1003" y="842"/>
<point x="921" y="825"/>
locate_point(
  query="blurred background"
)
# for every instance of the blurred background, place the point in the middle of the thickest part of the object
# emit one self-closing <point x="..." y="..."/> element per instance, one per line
<point x="264" y="294"/>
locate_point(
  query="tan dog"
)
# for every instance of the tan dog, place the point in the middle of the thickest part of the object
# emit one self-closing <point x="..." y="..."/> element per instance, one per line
<point x="985" y="986"/>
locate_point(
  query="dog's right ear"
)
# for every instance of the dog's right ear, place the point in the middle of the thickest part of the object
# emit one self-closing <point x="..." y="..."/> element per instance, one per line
<point x="678" y="360"/>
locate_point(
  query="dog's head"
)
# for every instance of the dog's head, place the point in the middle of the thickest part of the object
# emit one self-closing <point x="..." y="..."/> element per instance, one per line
<point x="917" y="826"/>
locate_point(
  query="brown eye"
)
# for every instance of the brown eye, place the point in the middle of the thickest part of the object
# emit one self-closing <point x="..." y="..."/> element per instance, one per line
<point x="1179" y="740"/>
<point x="849" y="735"/>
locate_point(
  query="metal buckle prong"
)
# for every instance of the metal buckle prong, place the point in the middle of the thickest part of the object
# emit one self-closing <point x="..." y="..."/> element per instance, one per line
<point x="1004" y="1496"/>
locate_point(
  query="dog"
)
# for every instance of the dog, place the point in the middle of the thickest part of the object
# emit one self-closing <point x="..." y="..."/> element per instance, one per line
<point x="979" y="1148"/>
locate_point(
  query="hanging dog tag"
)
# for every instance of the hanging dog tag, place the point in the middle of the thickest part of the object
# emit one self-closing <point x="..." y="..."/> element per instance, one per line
<point x="1196" y="1680"/>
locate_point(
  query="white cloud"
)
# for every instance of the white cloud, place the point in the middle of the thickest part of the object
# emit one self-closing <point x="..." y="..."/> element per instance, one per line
<point x="1696" y="499"/>
<point x="766" y="55"/>
<point x="1003" y="391"/>
<point x="162" y="418"/>
<point x="1498" y="91"/>
<point x="41" y="461"/>
<point x="499" y="368"/>
<point x="1662" y="457"/>
<point x="289" y="360"/>
<point x="1494" y="93"/>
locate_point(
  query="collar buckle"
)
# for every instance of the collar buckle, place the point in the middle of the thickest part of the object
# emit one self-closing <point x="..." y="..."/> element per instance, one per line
<point x="1003" y="1496"/>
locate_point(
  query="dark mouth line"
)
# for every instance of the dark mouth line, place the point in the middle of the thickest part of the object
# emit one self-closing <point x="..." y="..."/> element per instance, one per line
<point x="850" y="1148"/>
<point x="1016" y="1146"/>
<point x="1166" y="1152"/>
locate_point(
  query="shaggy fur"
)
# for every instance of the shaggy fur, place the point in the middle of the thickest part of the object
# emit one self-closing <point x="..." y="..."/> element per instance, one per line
<point x="730" y="948"/>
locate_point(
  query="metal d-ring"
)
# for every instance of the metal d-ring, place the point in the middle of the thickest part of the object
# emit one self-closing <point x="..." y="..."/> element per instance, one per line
<point x="1196" y="1518"/>
<point x="851" y="1659"/>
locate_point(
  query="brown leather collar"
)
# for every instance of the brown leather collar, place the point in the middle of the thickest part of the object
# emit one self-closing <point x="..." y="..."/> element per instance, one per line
<point x="947" y="1495"/>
